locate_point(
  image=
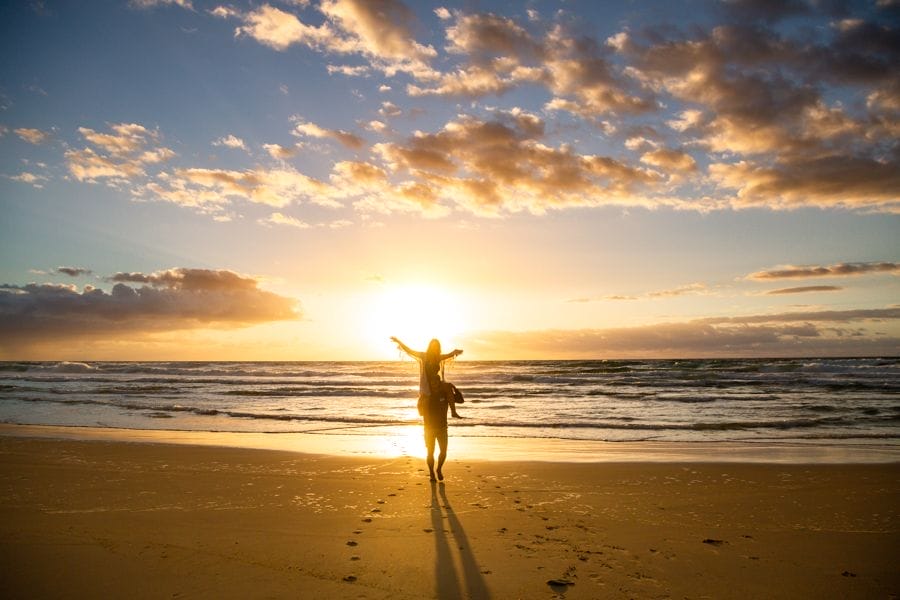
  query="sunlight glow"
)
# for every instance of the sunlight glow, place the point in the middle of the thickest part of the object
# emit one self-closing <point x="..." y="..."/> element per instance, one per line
<point x="399" y="441"/>
<point x="415" y="313"/>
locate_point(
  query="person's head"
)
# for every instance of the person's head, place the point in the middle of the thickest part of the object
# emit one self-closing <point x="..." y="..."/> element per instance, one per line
<point x="434" y="349"/>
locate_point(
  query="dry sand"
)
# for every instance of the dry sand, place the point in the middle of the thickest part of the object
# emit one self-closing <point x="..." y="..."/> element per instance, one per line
<point x="92" y="519"/>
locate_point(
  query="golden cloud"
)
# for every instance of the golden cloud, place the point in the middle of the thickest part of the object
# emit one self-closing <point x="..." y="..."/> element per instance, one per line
<point x="303" y="128"/>
<point x="126" y="153"/>
<point x="31" y="135"/>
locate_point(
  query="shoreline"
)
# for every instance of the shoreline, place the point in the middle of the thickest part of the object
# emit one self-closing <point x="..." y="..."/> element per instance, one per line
<point x="407" y="442"/>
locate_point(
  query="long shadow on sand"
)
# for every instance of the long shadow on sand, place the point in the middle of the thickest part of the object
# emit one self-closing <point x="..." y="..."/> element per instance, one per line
<point x="448" y="583"/>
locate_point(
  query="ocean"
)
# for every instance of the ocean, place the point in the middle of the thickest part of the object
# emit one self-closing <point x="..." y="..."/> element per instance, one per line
<point x="853" y="400"/>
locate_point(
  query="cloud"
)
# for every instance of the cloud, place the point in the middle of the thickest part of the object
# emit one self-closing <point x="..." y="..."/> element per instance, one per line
<point x="126" y="138"/>
<point x="306" y="129"/>
<point x="500" y="54"/>
<point x="503" y="165"/>
<point x="836" y="270"/>
<point x="154" y="3"/>
<point x="380" y="30"/>
<point x="32" y="136"/>
<point x="230" y="141"/>
<point x="126" y="151"/>
<point x="805" y="289"/>
<point x="483" y="36"/>
<point x="87" y="165"/>
<point x="73" y="271"/>
<point x="374" y="191"/>
<point x="389" y="109"/>
<point x="774" y="138"/>
<point x="174" y="299"/>
<point x="29" y="178"/>
<point x="690" y="289"/>
<point x="833" y="181"/>
<point x="670" y="160"/>
<point x="831" y="316"/>
<point x="280" y="152"/>
<point x="789" y="334"/>
<point x="350" y="71"/>
<point x="279" y="30"/>
<point x="199" y="187"/>
<point x="278" y="218"/>
<point x="733" y="114"/>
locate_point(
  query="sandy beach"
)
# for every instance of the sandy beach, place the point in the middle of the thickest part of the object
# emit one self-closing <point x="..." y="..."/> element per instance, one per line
<point x="116" y="519"/>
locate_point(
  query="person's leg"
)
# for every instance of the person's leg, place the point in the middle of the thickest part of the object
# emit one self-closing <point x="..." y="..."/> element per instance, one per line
<point x="429" y="450"/>
<point x="442" y="456"/>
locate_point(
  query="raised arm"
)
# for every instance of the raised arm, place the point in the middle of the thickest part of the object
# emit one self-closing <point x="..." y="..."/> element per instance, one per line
<point x="407" y="349"/>
<point x="453" y="354"/>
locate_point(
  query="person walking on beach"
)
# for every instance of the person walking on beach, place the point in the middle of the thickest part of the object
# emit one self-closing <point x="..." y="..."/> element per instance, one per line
<point x="433" y="400"/>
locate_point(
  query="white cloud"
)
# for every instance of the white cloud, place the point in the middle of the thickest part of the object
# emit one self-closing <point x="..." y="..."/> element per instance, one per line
<point x="154" y="3"/>
<point x="349" y="71"/>
<point x="278" y="218"/>
<point x="230" y="141"/>
<point x="29" y="178"/>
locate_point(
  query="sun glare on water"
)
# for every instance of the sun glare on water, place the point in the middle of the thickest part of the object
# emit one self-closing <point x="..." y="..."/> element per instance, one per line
<point x="415" y="313"/>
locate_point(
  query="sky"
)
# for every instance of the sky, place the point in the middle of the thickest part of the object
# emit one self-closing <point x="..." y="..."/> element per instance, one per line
<point x="300" y="180"/>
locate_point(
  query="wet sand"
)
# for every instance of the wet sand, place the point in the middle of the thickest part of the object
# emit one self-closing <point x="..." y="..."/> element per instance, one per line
<point x="142" y="520"/>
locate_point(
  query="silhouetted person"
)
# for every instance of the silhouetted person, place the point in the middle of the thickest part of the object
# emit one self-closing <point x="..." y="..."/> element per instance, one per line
<point x="433" y="400"/>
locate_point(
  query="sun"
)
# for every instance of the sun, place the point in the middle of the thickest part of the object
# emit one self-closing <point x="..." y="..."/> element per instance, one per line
<point x="415" y="313"/>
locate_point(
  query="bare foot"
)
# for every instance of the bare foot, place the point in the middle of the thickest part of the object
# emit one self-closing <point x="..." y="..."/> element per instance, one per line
<point x="431" y="473"/>
<point x="456" y="415"/>
<point x="440" y="474"/>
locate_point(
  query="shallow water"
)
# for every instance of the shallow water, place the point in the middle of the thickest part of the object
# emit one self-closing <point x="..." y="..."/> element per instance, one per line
<point x="761" y="400"/>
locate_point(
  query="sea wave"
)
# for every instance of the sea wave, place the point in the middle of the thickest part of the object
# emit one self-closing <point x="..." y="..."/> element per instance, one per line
<point x="718" y="399"/>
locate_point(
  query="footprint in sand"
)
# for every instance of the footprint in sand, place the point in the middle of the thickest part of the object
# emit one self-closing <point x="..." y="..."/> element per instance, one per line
<point x="352" y="543"/>
<point x="560" y="585"/>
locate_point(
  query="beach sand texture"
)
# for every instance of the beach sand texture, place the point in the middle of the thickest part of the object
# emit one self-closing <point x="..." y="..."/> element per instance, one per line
<point x="91" y="519"/>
